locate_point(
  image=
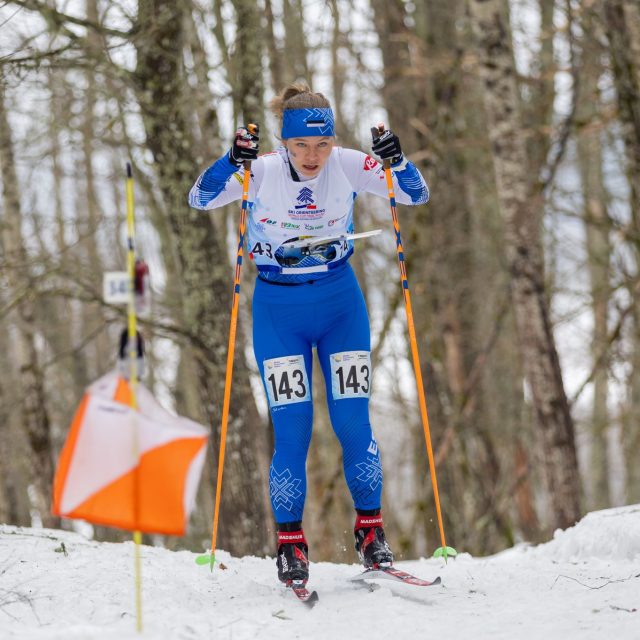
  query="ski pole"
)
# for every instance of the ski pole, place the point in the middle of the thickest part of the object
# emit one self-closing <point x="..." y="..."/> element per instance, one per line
<point x="133" y="381"/>
<point x="443" y="551"/>
<point x="253" y="128"/>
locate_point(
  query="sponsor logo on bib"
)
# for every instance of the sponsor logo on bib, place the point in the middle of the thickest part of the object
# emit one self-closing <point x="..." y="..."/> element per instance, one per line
<point x="305" y="198"/>
<point x="306" y="209"/>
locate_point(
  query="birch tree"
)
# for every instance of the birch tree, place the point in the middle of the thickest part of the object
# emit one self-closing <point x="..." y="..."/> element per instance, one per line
<point x="521" y="207"/>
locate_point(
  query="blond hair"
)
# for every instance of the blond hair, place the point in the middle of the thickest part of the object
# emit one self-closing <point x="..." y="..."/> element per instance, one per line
<point x="297" y="95"/>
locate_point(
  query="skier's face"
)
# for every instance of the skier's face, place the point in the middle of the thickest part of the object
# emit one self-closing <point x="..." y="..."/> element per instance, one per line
<point x="308" y="155"/>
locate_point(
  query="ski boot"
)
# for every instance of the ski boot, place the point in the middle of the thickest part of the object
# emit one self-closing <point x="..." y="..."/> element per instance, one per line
<point x="371" y="544"/>
<point x="293" y="557"/>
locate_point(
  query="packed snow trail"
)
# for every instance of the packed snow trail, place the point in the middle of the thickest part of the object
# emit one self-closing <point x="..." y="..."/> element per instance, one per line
<point x="584" y="584"/>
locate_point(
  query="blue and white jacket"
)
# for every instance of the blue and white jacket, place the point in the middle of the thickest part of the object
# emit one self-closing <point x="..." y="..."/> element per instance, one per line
<point x="284" y="210"/>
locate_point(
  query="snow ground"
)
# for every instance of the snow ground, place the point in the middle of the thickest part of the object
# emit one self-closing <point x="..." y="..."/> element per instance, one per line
<point x="584" y="584"/>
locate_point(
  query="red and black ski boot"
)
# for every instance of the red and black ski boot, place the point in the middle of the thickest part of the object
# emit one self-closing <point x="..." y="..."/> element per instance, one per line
<point x="371" y="544"/>
<point x="293" y="557"/>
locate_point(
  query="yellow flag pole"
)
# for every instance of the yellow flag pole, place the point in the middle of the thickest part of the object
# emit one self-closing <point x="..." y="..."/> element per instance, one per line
<point x="133" y="379"/>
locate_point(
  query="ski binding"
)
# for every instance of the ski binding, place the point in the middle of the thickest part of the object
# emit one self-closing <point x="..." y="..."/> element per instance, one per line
<point x="301" y="592"/>
<point x="391" y="573"/>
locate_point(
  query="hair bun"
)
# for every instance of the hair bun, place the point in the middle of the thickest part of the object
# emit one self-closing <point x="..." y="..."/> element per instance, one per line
<point x="297" y="95"/>
<point x="294" y="90"/>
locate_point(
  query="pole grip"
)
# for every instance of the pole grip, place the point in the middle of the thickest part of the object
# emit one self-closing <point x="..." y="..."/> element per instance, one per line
<point x="254" y="129"/>
<point x="376" y="132"/>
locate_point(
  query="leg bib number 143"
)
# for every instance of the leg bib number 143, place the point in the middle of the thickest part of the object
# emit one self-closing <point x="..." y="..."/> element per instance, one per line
<point x="286" y="380"/>
<point x="350" y="374"/>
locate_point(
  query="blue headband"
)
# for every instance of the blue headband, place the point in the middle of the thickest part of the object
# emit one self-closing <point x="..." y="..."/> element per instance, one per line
<point x="300" y="123"/>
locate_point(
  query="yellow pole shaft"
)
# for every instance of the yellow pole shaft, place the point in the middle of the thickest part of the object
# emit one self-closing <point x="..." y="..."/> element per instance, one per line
<point x="133" y="381"/>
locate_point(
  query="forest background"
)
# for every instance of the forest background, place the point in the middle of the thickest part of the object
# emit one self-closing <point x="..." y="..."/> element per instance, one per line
<point x="524" y="117"/>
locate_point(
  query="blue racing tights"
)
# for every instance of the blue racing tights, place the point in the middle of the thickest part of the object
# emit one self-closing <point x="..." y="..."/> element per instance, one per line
<point x="288" y="321"/>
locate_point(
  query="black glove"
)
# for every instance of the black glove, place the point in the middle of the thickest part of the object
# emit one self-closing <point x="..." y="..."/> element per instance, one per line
<point x="387" y="146"/>
<point x="245" y="145"/>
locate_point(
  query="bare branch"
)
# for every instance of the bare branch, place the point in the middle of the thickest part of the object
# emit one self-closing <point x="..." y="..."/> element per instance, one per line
<point x="59" y="19"/>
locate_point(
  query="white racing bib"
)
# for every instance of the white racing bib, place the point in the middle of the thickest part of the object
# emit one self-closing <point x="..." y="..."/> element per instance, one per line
<point x="286" y="380"/>
<point x="350" y="374"/>
<point x="285" y="212"/>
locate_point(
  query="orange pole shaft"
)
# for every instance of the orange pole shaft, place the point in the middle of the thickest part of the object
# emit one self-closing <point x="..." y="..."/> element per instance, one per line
<point x="230" y="354"/>
<point x="414" y="346"/>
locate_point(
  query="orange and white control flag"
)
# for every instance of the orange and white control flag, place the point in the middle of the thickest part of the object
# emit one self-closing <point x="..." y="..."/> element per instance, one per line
<point x="132" y="469"/>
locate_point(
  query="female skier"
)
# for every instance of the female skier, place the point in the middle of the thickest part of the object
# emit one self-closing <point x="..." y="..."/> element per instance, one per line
<point x="306" y="295"/>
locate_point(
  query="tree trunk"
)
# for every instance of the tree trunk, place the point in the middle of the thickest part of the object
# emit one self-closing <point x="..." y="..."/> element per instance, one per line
<point x="248" y="79"/>
<point x="295" y="60"/>
<point x="205" y="116"/>
<point x="598" y="255"/>
<point x="538" y="109"/>
<point x="30" y="392"/>
<point x="204" y="272"/>
<point x="523" y="244"/>
<point x="624" y="51"/>
<point x="61" y="332"/>
<point x="398" y="91"/>
<point x="93" y="319"/>
<point x="8" y="489"/>
<point x="429" y="99"/>
<point x="276" y="56"/>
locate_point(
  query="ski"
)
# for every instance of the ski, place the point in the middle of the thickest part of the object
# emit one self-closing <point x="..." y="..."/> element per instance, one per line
<point x="303" y="594"/>
<point x="391" y="573"/>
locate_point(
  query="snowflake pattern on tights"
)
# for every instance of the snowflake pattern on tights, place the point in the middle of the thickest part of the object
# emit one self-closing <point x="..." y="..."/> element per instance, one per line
<point x="370" y="472"/>
<point x="284" y="488"/>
